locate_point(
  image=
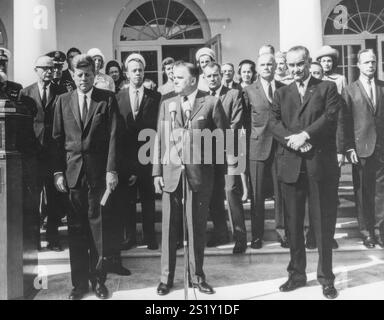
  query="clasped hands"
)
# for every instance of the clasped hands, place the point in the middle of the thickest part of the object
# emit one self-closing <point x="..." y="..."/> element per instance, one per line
<point x="298" y="142"/>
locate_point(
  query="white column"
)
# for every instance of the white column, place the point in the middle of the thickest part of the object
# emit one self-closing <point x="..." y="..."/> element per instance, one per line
<point x="34" y="35"/>
<point x="300" y="24"/>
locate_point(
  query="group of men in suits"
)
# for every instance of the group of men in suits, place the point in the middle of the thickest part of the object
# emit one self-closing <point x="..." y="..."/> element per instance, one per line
<point x="88" y="147"/>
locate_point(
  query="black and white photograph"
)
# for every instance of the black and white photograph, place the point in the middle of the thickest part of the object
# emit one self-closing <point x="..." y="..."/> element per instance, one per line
<point x="208" y="151"/>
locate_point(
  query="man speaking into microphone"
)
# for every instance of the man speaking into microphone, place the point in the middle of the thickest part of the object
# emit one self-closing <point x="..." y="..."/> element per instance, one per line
<point x="190" y="112"/>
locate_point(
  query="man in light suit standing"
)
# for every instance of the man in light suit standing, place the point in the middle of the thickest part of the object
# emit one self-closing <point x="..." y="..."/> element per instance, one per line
<point x="364" y="115"/>
<point x="85" y="135"/>
<point x="189" y="112"/>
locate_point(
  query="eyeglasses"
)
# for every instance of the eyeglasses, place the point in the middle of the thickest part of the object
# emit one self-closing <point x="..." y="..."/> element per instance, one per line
<point x="45" y="69"/>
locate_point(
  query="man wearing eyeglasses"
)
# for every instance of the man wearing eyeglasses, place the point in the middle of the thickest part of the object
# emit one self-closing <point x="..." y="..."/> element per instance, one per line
<point x="40" y="98"/>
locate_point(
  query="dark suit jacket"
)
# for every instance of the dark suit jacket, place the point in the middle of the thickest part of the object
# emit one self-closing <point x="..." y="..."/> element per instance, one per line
<point x="67" y="79"/>
<point x="317" y="115"/>
<point x="256" y="121"/>
<point x="146" y="119"/>
<point x="43" y="117"/>
<point x="207" y="113"/>
<point x="364" y="122"/>
<point x="91" y="151"/>
<point x="232" y="105"/>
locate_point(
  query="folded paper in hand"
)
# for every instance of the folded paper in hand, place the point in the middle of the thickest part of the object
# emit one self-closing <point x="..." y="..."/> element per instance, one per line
<point x="105" y="197"/>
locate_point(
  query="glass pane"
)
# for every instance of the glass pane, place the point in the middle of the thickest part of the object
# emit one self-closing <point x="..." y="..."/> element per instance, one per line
<point x="135" y="19"/>
<point x="1" y="38"/>
<point x="382" y="53"/>
<point x="146" y="11"/>
<point x="161" y="7"/>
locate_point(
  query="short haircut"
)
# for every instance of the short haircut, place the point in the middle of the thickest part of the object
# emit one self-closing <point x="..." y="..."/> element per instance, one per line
<point x="266" y="54"/>
<point x="71" y="51"/>
<point x="84" y="61"/>
<point x="301" y="48"/>
<point x="253" y="68"/>
<point x="213" y="65"/>
<point x="315" y="63"/>
<point x="365" y="51"/>
<point x="167" y="61"/>
<point x="268" y="47"/>
<point x="136" y="60"/>
<point x="228" y="64"/>
<point x="192" y="69"/>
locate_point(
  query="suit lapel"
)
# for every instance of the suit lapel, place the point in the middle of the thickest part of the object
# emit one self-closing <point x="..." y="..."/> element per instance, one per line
<point x="91" y="108"/>
<point x="142" y="104"/>
<point x="52" y="93"/>
<point x="75" y="107"/>
<point x="199" y="101"/>
<point x="179" y="113"/>
<point x="36" y="95"/>
<point x="365" y="96"/>
<point x="260" y="88"/>
<point x="295" y="95"/>
<point x="308" y="93"/>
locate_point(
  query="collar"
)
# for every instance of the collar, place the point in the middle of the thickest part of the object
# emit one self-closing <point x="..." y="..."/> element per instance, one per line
<point x="191" y="98"/>
<point x="266" y="83"/>
<point x="218" y="90"/>
<point x="364" y="79"/>
<point x="305" y="82"/>
<point x="88" y="94"/>
<point x="41" y="85"/>
<point x="132" y="90"/>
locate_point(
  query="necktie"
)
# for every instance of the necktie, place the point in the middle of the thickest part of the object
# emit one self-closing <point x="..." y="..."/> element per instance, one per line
<point x="85" y="111"/>
<point x="213" y="93"/>
<point x="370" y="91"/>
<point x="136" y="104"/>
<point x="301" y="90"/>
<point x="44" y="97"/>
<point x="270" y="92"/>
<point x="187" y="110"/>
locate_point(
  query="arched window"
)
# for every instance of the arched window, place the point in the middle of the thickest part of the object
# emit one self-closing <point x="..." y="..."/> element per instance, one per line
<point x="3" y="36"/>
<point x="165" y="19"/>
<point x="356" y="17"/>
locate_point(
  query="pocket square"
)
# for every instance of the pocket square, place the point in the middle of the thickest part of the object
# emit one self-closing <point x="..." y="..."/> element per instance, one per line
<point x="200" y="118"/>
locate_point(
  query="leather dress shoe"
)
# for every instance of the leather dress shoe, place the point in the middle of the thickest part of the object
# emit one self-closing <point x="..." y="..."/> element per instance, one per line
<point x="204" y="287"/>
<point x="152" y="245"/>
<point x="284" y="243"/>
<point x="119" y="269"/>
<point x="256" y="244"/>
<point x="240" y="247"/>
<point x="128" y="244"/>
<point x="54" y="246"/>
<point x="77" y="294"/>
<point x="335" y="245"/>
<point x="330" y="292"/>
<point x="369" y="242"/>
<point x="101" y="291"/>
<point x="163" y="289"/>
<point x="310" y="243"/>
<point x="291" y="285"/>
<point x="380" y="241"/>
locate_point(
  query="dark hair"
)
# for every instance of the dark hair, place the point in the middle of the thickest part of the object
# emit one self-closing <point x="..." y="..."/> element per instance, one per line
<point x="364" y="51"/>
<point x="167" y="61"/>
<point x="116" y="64"/>
<point x="193" y="70"/>
<point x="84" y="61"/>
<point x="71" y="51"/>
<point x="212" y="65"/>
<point x="301" y="48"/>
<point x="253" y="69"/>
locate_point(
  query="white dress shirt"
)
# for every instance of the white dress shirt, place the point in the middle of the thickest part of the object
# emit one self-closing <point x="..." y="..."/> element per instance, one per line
<point x="191" y="101"/>
<point x="41" y="90"/>
<point x="302" y="91"/>
<point x="132" y="95"/>
<point x="81" y="100"/>
<point x="364" y="81"/>
<point x="265" y="85"/>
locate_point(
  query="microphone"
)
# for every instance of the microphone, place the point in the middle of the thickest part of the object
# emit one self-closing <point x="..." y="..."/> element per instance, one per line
<point x="188" y="115"/>
<point x="172" y="110"/>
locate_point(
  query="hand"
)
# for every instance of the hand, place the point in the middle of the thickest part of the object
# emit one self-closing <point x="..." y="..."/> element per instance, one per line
<point x="306" y="147"/>
<point x="296" y="141"/>
<point x="112" y="180"/>
<point x="132" y="180"/>
<point x="159" y="184"/>
<point x="340" y="159"/>
<point x="353" y="157"/>
<point x="60" y="183"/>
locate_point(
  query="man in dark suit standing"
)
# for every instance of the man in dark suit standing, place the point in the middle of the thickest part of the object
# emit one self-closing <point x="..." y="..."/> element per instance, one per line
<point x="364" y="114"/>
<point x="184" y="117"/>
<point x="261" y="150"/>
<point x="227" y="185"/>
<point x="41" y="97"/>
<point x="67" y="76"/>
<point x="228" y="74"/>
<point x="85" y="134"/>
<point x="304" y="120"/>
<point x="139" y="107"/>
